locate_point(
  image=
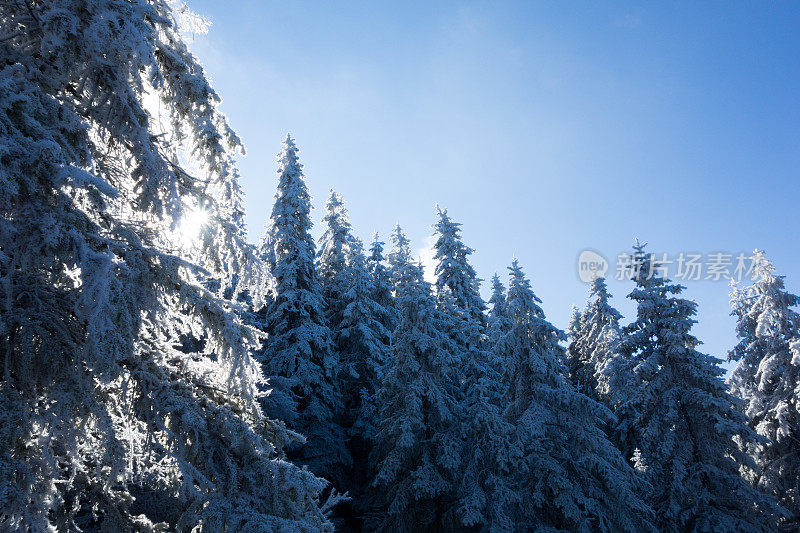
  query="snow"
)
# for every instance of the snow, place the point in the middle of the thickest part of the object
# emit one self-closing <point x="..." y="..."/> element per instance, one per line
<point x="160" y="373"/>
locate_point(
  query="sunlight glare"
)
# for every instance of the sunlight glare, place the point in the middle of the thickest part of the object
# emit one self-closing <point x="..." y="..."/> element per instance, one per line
<point x="191" y="225"/>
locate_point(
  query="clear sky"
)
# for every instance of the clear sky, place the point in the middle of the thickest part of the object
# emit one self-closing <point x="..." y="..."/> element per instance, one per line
<point x="544" y="127"/>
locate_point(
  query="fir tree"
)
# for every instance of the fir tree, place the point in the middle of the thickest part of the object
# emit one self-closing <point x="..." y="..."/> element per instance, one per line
<point x="484" y="495"/>
<point x="595" y="341"/>
<point x="105" y="424"/>
<point x="376" y="300"/>
<point x="687" y="423"/>
<point x="355" y="317"/>
<point x="417" y="446"/>
<point x="499" y="322"/>
<point x="767" y="377"/>
<point x="332" y="258"/>
<point x="574" y="325"/>
<point x="569" y="475"/>
<point x="299" y="352"/>
<point x="360" y="339"/>
<point x="399" y="257"/>
<point x="454" y="273"/>
<point x="381" y="284"/>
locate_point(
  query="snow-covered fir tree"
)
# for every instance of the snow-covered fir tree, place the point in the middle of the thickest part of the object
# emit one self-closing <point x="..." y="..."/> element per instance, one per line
<point x="454" y="273"/>
<point x="381" y="284"/>
<point x="332" y="257"/>
<point x="364" y="346"/>
<point x="399" y="256"/>
<point x="618" y="386"/>
<point x="573" y="326"/>
<point x="498" y="320"/>
<point x="417" y="445"/>
<point x="355" y="318"/>
<point x="334" y="278"/>
<point x="767" y="378"/>
<point x="595" y="342"/>
<point x="485" y="495"/>
<point x="299" y="353"/>
<point x="105" y="424"/>
<point x="376" y="300"/>
<point x="569" y="475"/>
<point x="599" y="367"/>
<point x="687" y="424"/>
<point x="361" y="340"/>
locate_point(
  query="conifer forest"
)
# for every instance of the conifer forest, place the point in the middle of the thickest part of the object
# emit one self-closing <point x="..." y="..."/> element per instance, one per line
<point x="165" y="370"/>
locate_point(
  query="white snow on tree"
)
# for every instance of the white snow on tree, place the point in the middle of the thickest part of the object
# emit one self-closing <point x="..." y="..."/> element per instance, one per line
<point x="335" y="246"/>
<point x="687" y="424"/>
<point x="574" y="324"/>
<point x="599" y="368"/>
<point x="454" y="274"/>
<point x="381" y="284"/>
<point x="595" y="334"/>
<point x="485" y="495"/>
<point x="417" y="446"/>
<point x="569" y="476"/>
<point x="399" y="256"/>
<point x="767" y="377"/>
<point x="498" y="321"/>
<point x="382" y="308"/>
<point x="360" y="338"/>
<point x="298" y="352"/>
<point x="105" y="424"/>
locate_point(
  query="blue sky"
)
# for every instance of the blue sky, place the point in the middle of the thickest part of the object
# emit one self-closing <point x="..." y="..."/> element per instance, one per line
<point x="545" y="128"/>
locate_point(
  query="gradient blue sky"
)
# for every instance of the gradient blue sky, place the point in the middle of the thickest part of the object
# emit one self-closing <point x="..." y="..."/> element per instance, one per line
<point x="544" y="127"/>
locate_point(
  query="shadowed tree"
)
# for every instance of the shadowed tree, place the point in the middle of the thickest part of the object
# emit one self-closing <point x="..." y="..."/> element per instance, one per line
<point x="105" y="424"/>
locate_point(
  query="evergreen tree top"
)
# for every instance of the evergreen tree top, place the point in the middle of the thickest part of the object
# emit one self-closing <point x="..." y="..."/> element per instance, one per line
<point x="521" y="299"/>
<point x="337" y="240"/>
<point x="498" y="298"/>
<point x="453" y="271"/>
<point x="289" y="165"/>
<point x="660" y="312"/>
<point x="401" y="252"/>
<point x="292" y="207"/>
<point x="765" y="311"/>
<point x="598" y="301"/>
<point x="574" y="322"/>
<point x="376" y="249"/>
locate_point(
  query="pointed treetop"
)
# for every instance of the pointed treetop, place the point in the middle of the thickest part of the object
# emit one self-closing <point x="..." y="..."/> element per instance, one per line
<point x="337" y="242"/>
<point x="398" y="238"/>
<point x="442" y="213"/>
<point x="498" y="290"/>
<point x="647" y="271"/>
<point x="599" y="289"/>
<point x="574" y="322"/>
<point x="762" y="267"/>
<point x="521" y="299"/>
<point x="337" y="219"/>
<point x="288" y="162"/>
<point x="401" y="251"/>
<point x="454" y="273"/>
<point x="517" y="276"/>
<point x="376" y="248"/>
